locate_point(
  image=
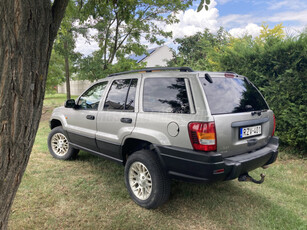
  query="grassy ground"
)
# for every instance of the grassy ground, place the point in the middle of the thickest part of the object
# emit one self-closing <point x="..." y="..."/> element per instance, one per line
<point x="89" y="193"/>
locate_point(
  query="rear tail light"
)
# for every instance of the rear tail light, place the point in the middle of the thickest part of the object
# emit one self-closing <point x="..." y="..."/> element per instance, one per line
<point x="203" y="136"/>
<point x="274" y="125"/>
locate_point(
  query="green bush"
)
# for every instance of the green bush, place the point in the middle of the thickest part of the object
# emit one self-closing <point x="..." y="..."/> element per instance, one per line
<point x="278" y="67"/>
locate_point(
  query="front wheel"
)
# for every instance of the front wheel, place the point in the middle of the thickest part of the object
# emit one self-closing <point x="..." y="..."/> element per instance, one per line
<point x="59" y="146"/>
<point x="146" y="180"/>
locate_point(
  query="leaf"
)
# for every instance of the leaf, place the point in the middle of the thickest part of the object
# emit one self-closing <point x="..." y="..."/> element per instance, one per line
<point x="207" y="8"/>
<point x="201" y="5"/>
<point x="208" y="2"/>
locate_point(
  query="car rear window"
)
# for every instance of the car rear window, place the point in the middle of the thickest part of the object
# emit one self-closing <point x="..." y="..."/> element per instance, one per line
<point x="232" y="95"/>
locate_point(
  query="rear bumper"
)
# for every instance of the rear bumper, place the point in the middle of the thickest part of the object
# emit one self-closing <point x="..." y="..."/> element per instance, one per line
<point x="197" y="166"/>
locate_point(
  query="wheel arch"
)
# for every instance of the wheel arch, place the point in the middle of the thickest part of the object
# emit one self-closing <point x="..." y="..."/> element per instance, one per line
<point x="55" y="123"/>
<point x="132" y="145"/>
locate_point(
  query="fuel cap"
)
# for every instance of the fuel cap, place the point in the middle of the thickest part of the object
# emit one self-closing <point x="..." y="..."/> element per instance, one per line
<point x="173" y="129"/>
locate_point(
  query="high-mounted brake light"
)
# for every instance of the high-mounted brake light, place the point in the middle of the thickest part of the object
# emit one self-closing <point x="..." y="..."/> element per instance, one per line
<point x="229" y="75"/>
<point x="203" y="136"/>
<point x="274" y="125"/>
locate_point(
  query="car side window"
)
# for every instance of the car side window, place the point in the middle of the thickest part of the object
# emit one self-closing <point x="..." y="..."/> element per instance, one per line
<point x="91" y="98"/>
<point x="166" y="95"/>
<point x="121" y="95"/>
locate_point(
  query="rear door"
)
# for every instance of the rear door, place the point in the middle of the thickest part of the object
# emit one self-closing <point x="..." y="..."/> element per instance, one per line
<point x="243" y="119"/>
<point x="118" y="116"/>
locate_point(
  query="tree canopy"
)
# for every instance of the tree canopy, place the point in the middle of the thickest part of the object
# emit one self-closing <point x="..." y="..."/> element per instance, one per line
<point x="122" y="28"/>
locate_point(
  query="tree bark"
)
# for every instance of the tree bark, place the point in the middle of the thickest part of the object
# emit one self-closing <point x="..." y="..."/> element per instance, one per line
<point x="67" y="74"/>
<point x="27" y="32"/>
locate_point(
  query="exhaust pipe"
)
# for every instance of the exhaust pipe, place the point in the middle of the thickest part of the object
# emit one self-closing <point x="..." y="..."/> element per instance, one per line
<point x="247" y="178"/>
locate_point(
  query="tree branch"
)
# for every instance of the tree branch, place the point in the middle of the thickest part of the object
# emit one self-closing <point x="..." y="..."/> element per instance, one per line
<point x="112" y="54"/>
<point x="58" y="11"/>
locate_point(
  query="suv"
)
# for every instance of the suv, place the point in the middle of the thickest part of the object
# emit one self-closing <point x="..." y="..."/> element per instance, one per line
<point x="161" y="124"/>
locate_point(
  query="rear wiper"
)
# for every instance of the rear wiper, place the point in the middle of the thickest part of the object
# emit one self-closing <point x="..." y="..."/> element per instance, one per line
<point x="208" y="78"/>
<point x="258" y="112"/>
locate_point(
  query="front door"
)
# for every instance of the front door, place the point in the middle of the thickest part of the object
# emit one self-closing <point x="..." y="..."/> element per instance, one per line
<point x="82" y="120"/>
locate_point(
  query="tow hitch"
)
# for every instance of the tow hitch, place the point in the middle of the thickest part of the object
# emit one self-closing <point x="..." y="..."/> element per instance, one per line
<point x="246" y="177"/>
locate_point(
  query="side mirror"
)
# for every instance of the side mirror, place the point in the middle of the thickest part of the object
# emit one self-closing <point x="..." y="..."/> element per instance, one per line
<point x="70" y="103"/>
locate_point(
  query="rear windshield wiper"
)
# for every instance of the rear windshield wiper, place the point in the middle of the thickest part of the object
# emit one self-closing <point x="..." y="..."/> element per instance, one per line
<point x="208" y="78"/>
<point x="258" y="112"/>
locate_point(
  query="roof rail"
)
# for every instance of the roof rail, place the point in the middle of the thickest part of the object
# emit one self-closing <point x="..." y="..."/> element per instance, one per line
<point x="151" y="69"/>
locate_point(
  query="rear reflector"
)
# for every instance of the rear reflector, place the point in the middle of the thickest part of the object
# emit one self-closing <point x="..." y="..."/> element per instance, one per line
<point x="202" y="136"/>
<point x="218" y="171"/>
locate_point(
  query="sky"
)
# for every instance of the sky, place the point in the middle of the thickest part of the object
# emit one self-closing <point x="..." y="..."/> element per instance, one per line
<point x="238" y="17"/>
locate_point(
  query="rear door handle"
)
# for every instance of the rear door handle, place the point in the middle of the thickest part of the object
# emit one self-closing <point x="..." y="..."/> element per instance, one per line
<point x="90" y="117"/>
<point x="126" y="120"/>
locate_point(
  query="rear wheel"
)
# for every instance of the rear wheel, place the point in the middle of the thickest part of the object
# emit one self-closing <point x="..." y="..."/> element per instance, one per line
<point x="59" y="146"/>
<point x="146" y="180"/>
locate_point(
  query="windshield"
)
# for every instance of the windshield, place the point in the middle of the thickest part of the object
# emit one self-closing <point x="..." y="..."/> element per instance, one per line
<point x="232" y="95"/>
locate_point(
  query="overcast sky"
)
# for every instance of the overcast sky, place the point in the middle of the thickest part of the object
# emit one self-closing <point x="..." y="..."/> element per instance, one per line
<point x="236" y="16"/>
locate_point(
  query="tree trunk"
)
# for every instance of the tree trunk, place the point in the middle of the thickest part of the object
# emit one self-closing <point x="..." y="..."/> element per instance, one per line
<point x="27" y="31"/>
<point x="67" y="75"/>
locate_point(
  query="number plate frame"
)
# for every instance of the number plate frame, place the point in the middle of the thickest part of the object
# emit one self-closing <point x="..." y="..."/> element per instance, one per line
<point x="250" y="131"/>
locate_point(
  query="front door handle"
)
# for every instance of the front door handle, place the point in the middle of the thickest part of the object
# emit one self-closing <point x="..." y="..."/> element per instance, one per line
<point x="126" y="120"/>
<point x="90" y="117"/>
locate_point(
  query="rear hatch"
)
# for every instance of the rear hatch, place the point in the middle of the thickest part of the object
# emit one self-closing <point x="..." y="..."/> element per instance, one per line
<point x="243" y="120"/>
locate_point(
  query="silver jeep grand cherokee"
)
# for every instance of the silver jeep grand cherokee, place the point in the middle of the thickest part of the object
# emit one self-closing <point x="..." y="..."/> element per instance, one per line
<point x="161" y="124"/>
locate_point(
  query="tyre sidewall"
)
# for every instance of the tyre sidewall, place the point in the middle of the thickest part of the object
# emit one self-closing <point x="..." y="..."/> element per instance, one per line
<point x="71" y="153"/>
<point x="158" y="177"/>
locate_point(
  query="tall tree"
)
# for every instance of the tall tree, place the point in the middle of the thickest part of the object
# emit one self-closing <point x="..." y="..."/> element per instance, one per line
<point x="28" y="29"/>
<point x="65" y="41"/>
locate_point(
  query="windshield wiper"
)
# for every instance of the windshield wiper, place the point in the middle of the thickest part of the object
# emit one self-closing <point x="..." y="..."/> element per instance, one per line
<point x="258" y="112"/>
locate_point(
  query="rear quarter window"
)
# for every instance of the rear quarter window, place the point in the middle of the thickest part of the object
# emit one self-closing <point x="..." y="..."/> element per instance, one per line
<point x="166" y="95"/>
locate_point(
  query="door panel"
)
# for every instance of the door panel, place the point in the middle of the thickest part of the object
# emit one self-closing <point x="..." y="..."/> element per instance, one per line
<point x="111" y="131"/>
<point x="82" y="120"/>
<point x="118" y="117"/>
<point x="82" y="131"/>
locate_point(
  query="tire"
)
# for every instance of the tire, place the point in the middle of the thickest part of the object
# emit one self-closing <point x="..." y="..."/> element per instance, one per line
<point x="146" y="180"/>
<point x="59" y="146"/>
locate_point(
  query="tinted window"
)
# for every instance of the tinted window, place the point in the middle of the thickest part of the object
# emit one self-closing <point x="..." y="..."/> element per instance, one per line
<point x="91" y="98"/>
<point x="131" y="96"/>
<point x="232" y="95"/>
<point x="168" y="95"/>
<point x="121" y="95"/>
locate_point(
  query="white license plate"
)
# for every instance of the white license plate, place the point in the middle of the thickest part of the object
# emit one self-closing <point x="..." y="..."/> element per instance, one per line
<point x="250" y="131"/>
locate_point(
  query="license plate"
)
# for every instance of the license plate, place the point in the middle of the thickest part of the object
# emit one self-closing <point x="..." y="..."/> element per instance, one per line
<point x="250" y="131"/>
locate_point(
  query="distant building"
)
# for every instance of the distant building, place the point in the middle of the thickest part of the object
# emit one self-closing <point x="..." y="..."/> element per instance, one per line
<point x="76" y="86"/>
<point x="158" y="56"/>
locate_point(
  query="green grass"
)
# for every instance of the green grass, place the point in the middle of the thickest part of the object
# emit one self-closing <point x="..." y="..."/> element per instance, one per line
<point x="89" y="193"/>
